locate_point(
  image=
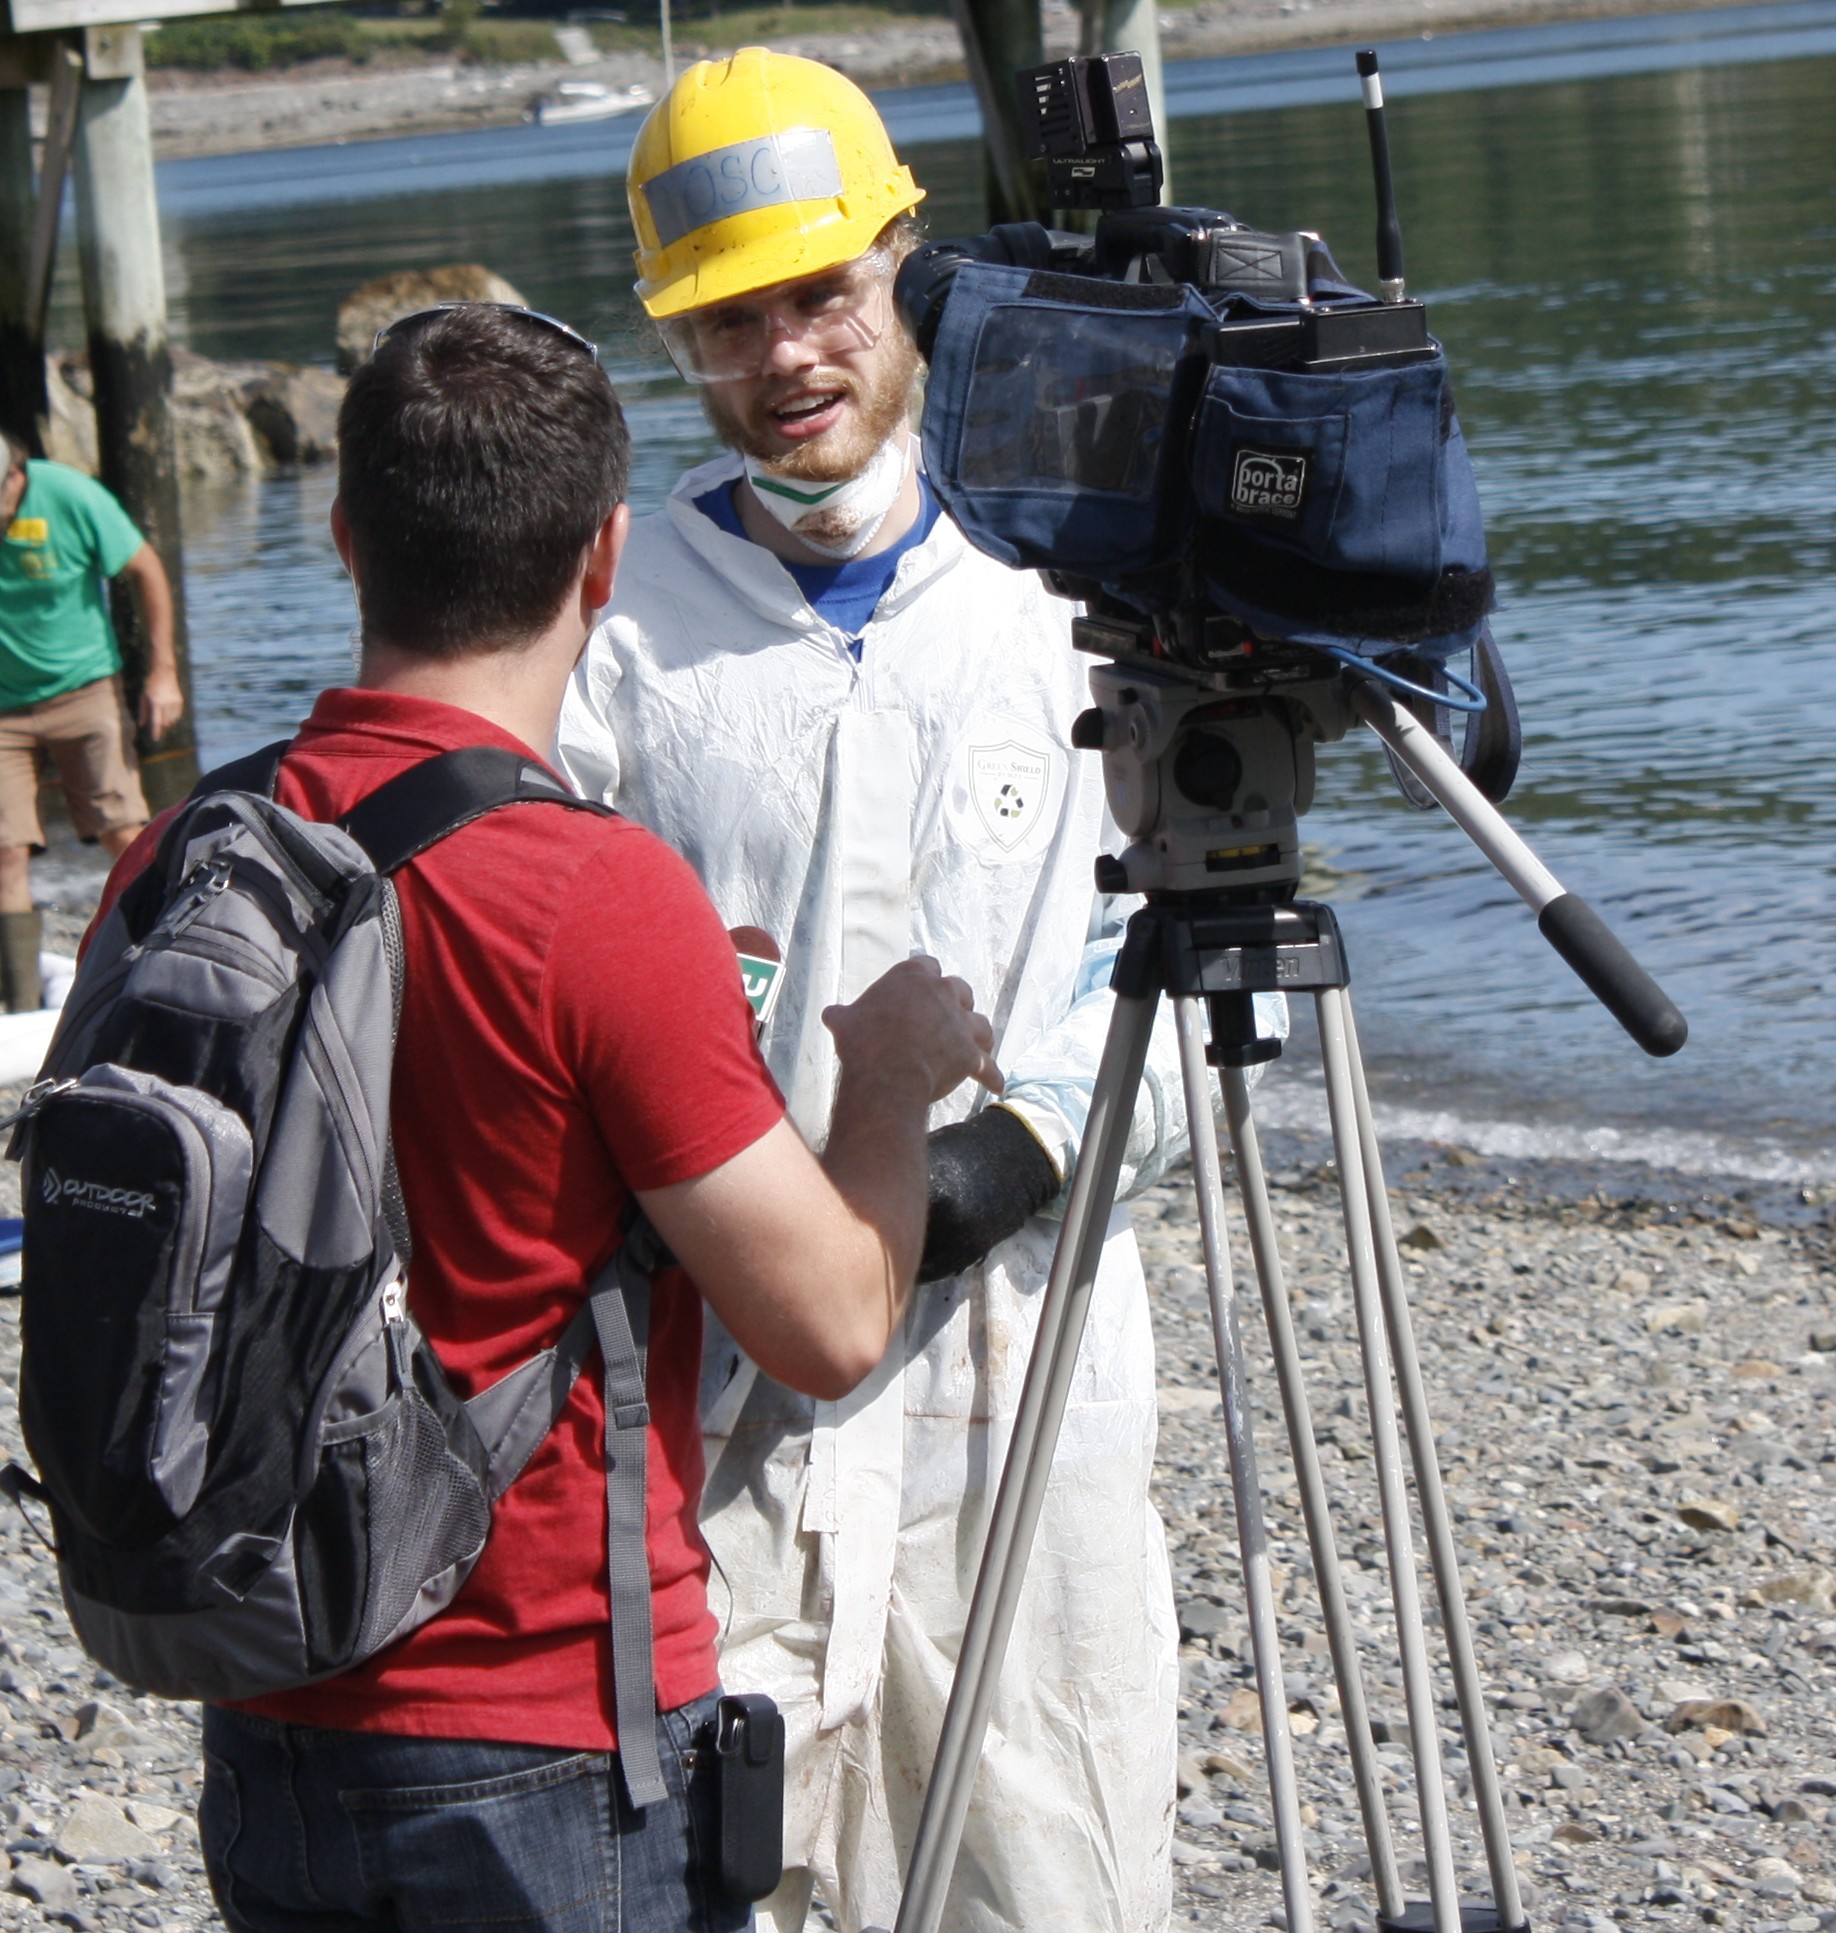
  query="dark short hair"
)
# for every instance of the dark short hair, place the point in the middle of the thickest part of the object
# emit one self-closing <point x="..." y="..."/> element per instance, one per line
<point x="479" y="452"/>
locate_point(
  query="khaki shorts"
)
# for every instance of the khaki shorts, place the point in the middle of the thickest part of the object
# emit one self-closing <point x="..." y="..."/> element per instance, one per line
<point x="90" y="738"/>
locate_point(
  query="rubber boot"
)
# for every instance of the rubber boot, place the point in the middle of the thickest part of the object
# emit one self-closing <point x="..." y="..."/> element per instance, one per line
<point x="20" y="935"/>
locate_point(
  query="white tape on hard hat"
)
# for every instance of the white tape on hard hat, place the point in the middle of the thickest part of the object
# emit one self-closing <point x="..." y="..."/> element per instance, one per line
<point x="797" y="165"/>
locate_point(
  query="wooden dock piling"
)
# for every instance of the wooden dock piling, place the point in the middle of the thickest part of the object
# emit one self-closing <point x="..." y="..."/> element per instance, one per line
<point x="1001" y="37"/>
<point x="130" y="359"/>
<point x="22" y="367"/>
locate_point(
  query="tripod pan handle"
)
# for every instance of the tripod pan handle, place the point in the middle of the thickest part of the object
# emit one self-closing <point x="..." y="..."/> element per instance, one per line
<point x="1611" y="974"/>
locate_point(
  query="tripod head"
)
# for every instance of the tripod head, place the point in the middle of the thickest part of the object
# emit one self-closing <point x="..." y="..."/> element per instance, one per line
<point x="1208" y="774"/>
<point x="1209" y="785"/>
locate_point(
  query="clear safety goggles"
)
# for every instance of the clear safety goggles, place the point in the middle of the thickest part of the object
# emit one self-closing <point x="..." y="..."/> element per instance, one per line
<point x="827" y="314"/>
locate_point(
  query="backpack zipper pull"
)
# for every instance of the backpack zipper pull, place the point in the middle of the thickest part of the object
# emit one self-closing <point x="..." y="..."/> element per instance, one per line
<point x="203" y="885"/>
<point x="395" y="1301"/>
<point x="33" y="1100"/>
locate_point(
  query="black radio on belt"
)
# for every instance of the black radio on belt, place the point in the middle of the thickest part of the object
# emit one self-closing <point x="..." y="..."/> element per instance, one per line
<point x="749" y="1787"/>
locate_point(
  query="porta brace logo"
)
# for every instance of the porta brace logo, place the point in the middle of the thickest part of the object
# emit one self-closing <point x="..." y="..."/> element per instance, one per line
<point x="96" y="1196"/>
<point x="1264" y="483"/>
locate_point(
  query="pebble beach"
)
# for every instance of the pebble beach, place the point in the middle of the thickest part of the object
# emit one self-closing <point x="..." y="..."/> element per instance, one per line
<point x="1633" y="1381"/>
<point x="1633" y="1385"/>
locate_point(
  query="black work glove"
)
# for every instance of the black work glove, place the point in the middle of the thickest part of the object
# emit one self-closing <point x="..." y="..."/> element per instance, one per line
<point x="988" y="1175"/>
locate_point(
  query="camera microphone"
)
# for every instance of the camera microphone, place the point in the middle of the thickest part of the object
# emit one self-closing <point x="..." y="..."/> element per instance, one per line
<point x="1389" y="228"/>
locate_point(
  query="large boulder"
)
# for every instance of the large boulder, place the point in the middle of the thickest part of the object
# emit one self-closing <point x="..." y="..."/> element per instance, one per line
<point x="294" y="412"/>
<point x="229" y="419"/>
<point x="213" y="436"/>
<point x="215" y="443"/>
<point x="378" y="303"/>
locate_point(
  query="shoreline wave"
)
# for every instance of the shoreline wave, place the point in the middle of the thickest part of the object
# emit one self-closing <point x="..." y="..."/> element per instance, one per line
<point x="1298" y="1105"/>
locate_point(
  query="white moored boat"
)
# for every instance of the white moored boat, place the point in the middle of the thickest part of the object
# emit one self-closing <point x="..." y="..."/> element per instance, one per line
<point x="585" y="101"/>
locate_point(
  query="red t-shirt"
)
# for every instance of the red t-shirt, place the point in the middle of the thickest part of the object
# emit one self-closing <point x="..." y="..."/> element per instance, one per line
<point x="573" y="1027"/>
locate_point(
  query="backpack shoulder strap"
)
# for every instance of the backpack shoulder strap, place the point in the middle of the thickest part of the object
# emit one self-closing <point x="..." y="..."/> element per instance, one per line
<point x="514" y="1415"/>
<point x="253" y="772"/>
<point x="419" y="807"/>
<point x="621" y="1315"/>
<point x="399" y="820"/>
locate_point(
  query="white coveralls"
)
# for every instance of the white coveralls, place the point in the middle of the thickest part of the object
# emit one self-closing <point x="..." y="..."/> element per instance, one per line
<point x="923" y="800"/>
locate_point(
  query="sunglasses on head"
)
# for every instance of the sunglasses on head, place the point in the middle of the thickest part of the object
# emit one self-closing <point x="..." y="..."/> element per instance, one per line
<point x="407" y="325"/>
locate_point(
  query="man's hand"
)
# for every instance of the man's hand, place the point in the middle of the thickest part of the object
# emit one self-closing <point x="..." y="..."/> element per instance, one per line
<point x="917" y="1030"/>
<point x="809" y="1266"/>
<point x="162" y="699"/>
<point x="162" y="703"/>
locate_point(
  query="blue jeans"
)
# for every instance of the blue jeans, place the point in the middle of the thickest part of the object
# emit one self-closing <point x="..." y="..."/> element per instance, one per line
<point x="366" y="1832"/>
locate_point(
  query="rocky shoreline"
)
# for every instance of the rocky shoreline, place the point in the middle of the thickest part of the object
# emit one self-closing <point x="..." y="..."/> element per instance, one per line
<point x="1634" y="1391"/>
<point x="237" y="419"/>
<point x="229" y="419"/>
<point x="334" y="101"/>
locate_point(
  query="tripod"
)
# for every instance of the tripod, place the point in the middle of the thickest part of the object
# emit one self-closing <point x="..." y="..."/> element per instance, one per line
<point x="1177" y="761"/>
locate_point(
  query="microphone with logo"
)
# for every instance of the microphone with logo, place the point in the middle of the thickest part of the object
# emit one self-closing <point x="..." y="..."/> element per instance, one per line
<point x="761" y="965"/>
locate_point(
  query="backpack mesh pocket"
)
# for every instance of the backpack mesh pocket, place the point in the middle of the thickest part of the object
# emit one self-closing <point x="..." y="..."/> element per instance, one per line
<point x="396" y="1518"/>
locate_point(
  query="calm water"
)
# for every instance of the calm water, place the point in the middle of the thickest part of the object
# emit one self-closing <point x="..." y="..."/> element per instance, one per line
<point x="1635" y="275"/>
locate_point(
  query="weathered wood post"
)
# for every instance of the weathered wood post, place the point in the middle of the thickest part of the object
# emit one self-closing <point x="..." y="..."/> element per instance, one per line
<point x="130" y="360"/>
<point x="22" y="368"/>
<point x="999" y="37"/>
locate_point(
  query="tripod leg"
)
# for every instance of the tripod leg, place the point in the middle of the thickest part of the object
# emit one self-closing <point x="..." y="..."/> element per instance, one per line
<point x="1245" y="1484"/>
<point x="1253" y="1188"/>
<point x="1418" y="1690"/>
<point x="1029" y="1465"/>
<point x="1435" y="1519"/>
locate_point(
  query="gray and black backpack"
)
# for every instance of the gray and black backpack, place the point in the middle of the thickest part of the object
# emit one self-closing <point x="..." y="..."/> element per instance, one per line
<point x="256" y="1471"/>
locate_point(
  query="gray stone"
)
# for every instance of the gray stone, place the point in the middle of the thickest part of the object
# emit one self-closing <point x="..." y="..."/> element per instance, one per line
<point x="213" y="438"/>
<point x="47" y="1884"/>
<point x="99" y="1833"/>
<point x="96" y="1725"/>
<point x="70" y="429"/>
<point x="1202" y="1620"/>
<point x="1605" y="1714"/>
<point x="295" y="414"/>
<point x="378" y="303"/>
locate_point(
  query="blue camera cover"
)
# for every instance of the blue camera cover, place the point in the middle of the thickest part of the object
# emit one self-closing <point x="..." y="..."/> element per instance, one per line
<point x="1051" y="418"/>
<point x="1080" y="425"/>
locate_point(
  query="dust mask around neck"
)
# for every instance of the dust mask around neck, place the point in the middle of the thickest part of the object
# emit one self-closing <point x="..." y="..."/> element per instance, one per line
<point x="837" y="519"/>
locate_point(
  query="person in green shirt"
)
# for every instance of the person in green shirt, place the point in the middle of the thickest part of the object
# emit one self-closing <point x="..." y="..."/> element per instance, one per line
<point x="60" y="681"/>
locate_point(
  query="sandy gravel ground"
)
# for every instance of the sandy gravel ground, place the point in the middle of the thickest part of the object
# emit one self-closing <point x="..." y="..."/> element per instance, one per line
<point x="1633" y="1380"/>
<point x="333" y="101"/>
<point x="1634" y="1388"/>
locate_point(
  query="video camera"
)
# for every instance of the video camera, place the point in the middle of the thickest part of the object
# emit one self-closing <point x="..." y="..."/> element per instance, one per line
<point x="1247" y="469"/>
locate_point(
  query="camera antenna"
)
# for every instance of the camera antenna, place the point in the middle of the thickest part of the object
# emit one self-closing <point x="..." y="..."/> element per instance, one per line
<point x="1389" y="229"/>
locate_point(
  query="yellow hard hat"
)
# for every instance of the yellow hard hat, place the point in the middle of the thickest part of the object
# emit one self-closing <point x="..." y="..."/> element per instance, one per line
<point x="757" y="170"/>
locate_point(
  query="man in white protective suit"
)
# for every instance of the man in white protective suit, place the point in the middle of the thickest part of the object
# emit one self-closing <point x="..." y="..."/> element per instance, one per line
<point x="857" y="730"/>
